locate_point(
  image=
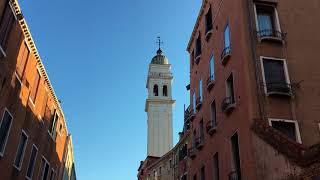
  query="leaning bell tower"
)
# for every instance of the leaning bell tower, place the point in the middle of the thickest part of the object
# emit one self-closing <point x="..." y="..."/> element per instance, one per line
<point x="159" y="104"/>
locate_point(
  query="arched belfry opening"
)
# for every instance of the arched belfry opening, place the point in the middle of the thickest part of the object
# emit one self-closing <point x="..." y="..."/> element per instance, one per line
<point x="155" y="90"/>
<point x="165" y="90"/>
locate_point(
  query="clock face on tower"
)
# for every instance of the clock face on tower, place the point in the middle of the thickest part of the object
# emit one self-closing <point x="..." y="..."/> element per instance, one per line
<point x="159" y="105"/>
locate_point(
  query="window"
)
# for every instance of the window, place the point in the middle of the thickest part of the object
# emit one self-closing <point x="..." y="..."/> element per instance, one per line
<point x="236" y="169"/>
<point x="155" y="90"/>
<point x="198" y="46"/>
<point x="287" y="127"/>
<point x="211" y="68"/>
<point x="52" y="174"/>
<point x="275" y="75"/>
<point x="194" y="102"/>
<point x="52" y="127"/>
<point x="200" y="90"/>
<point x="32" y="162"/>
<point x="202" y="173"/>
<point x="184" y="177"/>
<point x="20" y="151"/>
<point x="35" y="87"/>
<point x="195" y="177"/>
<point x="213" y="114"/>
<point x="267" y="20"/>
<point x="6" y="24"/>
<point x="22" y="59"/>
<point x="183" y="151"/>
<point x="165" y="90"/>
<point x="4" y="130"/>
<point x="230" y="90"/>
<point x="45" y="169"/>
<point x="209" y="20"/>
<point x="192" y="58"/>
<point x="216" y="167"/>
<point x="201" y="130"/>
<point x="227" y="37"/>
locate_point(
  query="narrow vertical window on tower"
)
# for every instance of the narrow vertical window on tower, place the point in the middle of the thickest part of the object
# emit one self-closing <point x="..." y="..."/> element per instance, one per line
<point x="216" y="167"/>
<point x="155" y="90"/>
<point x="165" y="90"/>
<point x="35" y="87"/>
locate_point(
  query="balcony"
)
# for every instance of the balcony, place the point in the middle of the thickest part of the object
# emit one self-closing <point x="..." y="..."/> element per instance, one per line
<point x="209" y="31"/>
<point x="192" y="152"/>
<point x="282" y="89"/>
<point x="199" y="142"/>
<point x="211" y="127"/>
<point x="271" y="35"/>
<point x="188" y="114"/>
<point x="234" y="175"/>
<point x="225" y="55"/>
<point x="210" y="82"/>
<point x="228" y="104"/>
<point x="198" y="103"/>
<point x="197" y="59"/>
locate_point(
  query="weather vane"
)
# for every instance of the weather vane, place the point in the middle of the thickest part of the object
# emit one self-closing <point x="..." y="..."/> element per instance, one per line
<point x="159" y="42"/>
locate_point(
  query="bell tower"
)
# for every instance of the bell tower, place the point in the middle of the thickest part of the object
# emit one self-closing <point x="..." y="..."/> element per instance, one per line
<point x="159" y="105"/>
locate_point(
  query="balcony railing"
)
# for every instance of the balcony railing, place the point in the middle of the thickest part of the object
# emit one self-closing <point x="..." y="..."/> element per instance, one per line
<point x="279" y="88"/>
<point x="271" y="35"/>
<point x="192" y="152"/>
<point x="210" y="82"/>
<point x="234" y="175"/>
<point x="209" y="31"/>
<point x="198" y="103"/>
<point x="228" y="104"/>
<point x="199" y="142"/>
<point x="225" y="55"/>
<point x="188" y="114"/>
<point x="211" y="127"/>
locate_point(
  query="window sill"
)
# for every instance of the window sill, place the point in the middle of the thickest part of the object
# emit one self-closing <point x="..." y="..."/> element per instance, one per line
<point x="17" y="168"/>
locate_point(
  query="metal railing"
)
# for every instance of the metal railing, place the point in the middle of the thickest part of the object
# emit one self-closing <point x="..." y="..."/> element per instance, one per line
<point x="226" y="52"/>
<point x="279" y="88"/>
<point x="227" y="103"/>
<point x="234" y="175"/>
<point x="271" y="33"/>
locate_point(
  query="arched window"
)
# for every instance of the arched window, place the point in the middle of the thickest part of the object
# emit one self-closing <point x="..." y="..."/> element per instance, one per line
<point x="165" y="90"/>
<point x="155" y="90"/>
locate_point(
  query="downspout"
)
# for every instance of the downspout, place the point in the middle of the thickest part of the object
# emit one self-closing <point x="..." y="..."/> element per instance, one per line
<point x="259" y="91"/>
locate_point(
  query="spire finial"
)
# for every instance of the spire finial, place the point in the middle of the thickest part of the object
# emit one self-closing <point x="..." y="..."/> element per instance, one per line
<point x="159" y="42"/>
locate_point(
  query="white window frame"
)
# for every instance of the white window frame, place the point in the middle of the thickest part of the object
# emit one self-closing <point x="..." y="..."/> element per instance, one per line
<point x="275" y="15"/>
<point x="285" y="68"/>
<point x="43" y="168"/>
<point x="298" y="135"/>
<point x="35" y="160"/>
<point x="7" y="137"/>
<point x="23" y="152"/>
<point x="212" y="71"/>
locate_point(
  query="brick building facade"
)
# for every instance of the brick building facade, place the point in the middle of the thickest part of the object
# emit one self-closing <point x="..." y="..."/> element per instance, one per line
<point x="254" y="91"/>
<point x="33" y="130"/>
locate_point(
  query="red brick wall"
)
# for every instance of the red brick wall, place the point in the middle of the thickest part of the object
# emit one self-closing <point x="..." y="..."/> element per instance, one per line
<point x="15" y="96"/>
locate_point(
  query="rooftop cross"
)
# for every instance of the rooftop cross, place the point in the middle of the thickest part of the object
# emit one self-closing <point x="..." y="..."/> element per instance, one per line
<point x="159" y="42"/>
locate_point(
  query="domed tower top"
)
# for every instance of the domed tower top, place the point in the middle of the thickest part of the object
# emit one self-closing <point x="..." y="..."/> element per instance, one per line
<point x="160" y="58"/>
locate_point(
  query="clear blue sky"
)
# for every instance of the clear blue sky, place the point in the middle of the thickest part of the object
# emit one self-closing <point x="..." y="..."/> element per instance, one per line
<point x="97" y="53"/>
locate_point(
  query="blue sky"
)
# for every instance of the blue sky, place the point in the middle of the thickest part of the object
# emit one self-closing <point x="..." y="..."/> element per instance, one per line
<point x="97" y="53"/>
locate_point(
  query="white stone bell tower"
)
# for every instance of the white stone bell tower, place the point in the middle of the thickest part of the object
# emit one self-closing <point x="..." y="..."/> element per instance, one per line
<point x="159" y="106"/>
